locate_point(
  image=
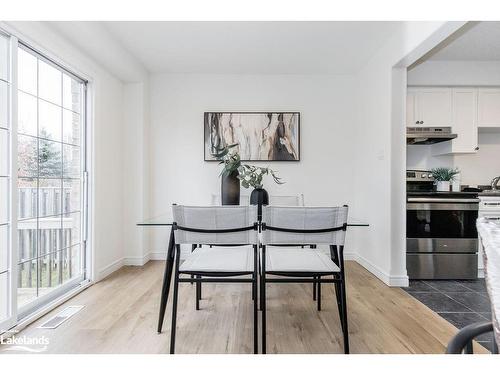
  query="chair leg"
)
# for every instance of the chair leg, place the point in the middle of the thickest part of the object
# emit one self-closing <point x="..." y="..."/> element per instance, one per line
<point x="193" y="247"/>
<point x="319" y="294"/>
<point x="339" y="304"/>
<point x="344" y="318"/>
<point x="314" y="289"/>
<point x="174" y="302"/>
<point x="261" y="285"/>
<point x="263" y="300"/>
<point x="255" y="305"/>
<point x="198" y="292"/>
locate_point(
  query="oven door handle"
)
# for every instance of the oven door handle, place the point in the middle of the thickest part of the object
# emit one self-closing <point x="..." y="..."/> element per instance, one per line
<point x="442" y="206"/>
<point x="443" y="200"/>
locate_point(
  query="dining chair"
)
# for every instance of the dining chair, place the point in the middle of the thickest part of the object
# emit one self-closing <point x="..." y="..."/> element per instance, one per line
<point x="287" y="200"/>
<point x="282" y="226"/>
<point x="232" y="232"/>
<point x="296" y="200"/>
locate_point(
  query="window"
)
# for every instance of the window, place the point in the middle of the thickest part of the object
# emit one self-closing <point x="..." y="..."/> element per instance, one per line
<point x="50" y="170"/>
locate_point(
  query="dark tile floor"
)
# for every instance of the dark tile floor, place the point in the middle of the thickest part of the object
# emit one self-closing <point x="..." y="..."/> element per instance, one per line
<point x="459" y="302"/>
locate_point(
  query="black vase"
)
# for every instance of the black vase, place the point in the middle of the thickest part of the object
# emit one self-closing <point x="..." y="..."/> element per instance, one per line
<point x="260" y="198"/>
<point x="230" y="189"/>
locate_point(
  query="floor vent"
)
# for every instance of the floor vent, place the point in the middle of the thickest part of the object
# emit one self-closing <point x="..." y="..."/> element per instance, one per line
<point x="61" y="317"/>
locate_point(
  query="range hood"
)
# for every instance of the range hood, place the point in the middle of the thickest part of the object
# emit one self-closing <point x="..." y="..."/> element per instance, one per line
<point x="428" y="135"/>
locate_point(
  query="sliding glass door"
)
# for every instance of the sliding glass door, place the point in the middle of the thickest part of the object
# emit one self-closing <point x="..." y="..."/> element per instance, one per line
<point x="48" y="252"/>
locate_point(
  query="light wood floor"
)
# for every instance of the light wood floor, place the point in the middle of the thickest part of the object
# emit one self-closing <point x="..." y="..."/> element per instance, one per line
<point x="121" y="312"/>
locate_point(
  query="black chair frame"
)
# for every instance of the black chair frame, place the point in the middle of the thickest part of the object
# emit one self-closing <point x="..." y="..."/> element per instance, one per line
<point x="462" y="341"/>
<point x="213" y="277"/>
<point x="338" y="279"/>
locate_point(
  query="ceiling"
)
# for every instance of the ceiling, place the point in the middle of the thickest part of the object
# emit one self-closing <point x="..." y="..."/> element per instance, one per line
<point x="477" y="41"/>
<point x="252" y="47"/>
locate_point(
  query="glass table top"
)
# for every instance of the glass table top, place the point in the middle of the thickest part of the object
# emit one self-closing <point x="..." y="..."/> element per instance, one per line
<point x="166" y="220"/>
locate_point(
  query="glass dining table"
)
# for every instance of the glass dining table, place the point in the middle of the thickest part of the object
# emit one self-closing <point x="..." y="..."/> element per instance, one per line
<point x="166" y="220"/>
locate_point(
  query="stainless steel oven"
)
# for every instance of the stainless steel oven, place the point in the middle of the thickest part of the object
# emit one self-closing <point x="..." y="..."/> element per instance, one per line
<point x="441" y="235"/>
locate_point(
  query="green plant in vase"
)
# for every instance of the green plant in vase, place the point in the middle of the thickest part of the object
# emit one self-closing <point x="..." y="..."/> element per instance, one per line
<point x="443" y="177"/>
<point x="230" y="184"/>
<point x="252" y="176"/>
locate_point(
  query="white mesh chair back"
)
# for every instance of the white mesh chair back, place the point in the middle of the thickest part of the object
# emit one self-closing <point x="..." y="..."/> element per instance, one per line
<point x="304" y="218"/>
<point x="215" y="218"/>
<point x="215" y="200"/>
<point x="287" y="200"/>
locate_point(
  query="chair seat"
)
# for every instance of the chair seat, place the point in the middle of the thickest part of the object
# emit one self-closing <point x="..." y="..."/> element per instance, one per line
<point x="219" y="259"/>
<point x="296" y="259"/>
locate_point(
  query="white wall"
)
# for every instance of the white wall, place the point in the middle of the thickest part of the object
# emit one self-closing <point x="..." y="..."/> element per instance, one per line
<point x="110" y="144"/>
<point x="455" y="73"/>
<point x="136" y="171"/>
<point x="380" y="144"/>
<point x="178" y="172"/>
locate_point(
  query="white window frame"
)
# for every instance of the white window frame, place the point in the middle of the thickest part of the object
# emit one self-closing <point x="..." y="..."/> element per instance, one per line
<point x="43" y="304"/>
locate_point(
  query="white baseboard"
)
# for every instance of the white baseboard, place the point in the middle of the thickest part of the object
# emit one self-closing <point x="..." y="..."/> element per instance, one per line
<point x="162" y="254"/>
<point x="391" y="280"/>
<point x="157" y="255"/>
<point x="109" y="269"/>
<point x="137" y="260"/>
<point x="480" y="273"/>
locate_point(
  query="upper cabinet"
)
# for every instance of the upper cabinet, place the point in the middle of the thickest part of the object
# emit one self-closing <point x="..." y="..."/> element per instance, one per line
<point x="464" y="124"/>
<point x="446" y="106"/>
<point x="488" y="112"/>
<point x="429" y="107"/>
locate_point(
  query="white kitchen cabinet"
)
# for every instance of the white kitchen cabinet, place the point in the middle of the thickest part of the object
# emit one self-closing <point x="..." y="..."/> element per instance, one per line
<point x="488" y="108"/>
<point x="429" y="106"/>
<point x="464" y="124"/>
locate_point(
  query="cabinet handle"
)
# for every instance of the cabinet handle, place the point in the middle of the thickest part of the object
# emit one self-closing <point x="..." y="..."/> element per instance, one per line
<point x="421" y="122"/>
<point x="477" y="148"/>
<point x="416" y="122"/>
<point x="492" y="204"/>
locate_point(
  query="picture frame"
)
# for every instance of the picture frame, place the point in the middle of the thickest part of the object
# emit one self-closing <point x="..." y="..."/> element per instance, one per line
<point x="261" y="136"/>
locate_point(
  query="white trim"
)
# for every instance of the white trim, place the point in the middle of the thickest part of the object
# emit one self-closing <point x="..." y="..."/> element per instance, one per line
<point x="137" y="260"/>
<point x="480" y="273"/>
<point x="390" y="280"/>
<point x="109" y="269"/>
<point x="157" y="255"/>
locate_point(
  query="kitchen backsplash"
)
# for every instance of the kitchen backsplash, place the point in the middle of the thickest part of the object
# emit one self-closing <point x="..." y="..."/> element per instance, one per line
<point x="476" y="169"/>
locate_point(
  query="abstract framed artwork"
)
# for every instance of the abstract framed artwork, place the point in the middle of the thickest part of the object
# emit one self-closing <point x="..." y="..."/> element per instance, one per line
<point x="261" y="136"/>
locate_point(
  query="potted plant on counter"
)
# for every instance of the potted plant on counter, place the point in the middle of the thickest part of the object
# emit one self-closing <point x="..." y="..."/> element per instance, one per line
<point x="443" y="177"/>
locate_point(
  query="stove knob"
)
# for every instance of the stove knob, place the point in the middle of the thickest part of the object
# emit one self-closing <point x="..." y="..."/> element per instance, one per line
<point x="424" y="175"/>
<point x="429" y="176"/>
